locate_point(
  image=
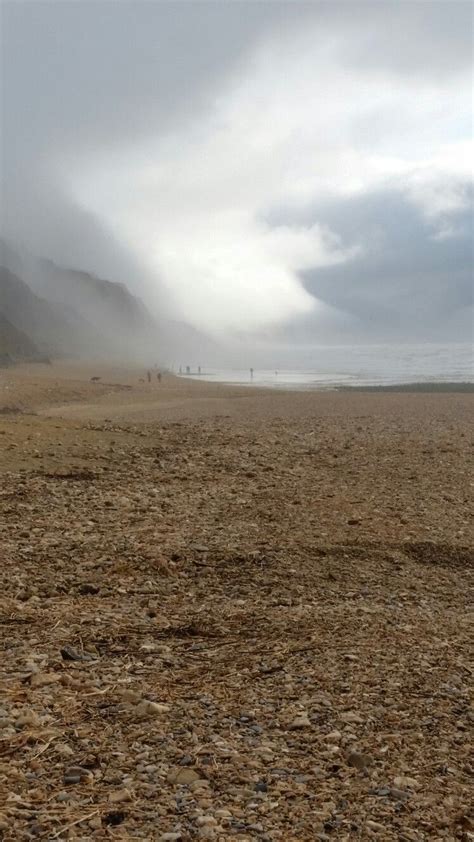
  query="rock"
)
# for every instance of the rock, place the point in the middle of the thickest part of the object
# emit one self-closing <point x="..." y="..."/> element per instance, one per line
<point x="210" y="821"/>
<point x="381" y="791"/>
<point x="403" y="781"/>
<point x="200" y="784"/>
<point x="398" y="794"/>
<point x="77" y="774"/>
<point x="133" y="697"/>
<point x="170" y="837"/>
<point x="70" y="654"/>
<point x="27" y="717"/>
<point x="120" y="795"/>
<point x="466" y="822"/>
<point x="350" y="717"/>
<point x="182" y="775"/>
<point x="114" y="818"/>
<point x="64" y="796"/>
<point x="86" y="588"/>
<point x="41" y="679"/>
<point x="261" y="786"/>
<point x="375" y="826"/>
<point x="146" y="708"/>
<point x="300" y="721"/>
<point x="64" y="750"/>
<point x="358" y="761"/>
<point x="333" y="736"/>
<point x="95" y="823"/>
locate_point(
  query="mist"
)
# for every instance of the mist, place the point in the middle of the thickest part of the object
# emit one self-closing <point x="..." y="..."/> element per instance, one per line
<point x="262" y="175"/>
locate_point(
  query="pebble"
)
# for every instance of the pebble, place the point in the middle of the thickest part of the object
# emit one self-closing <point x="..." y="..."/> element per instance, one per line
<point x="41" y="679"/>
<point x="68" y="653"/>
<point x="28" y="717"/>
<point x="351" y="716"/>
<point x="261" y="786"/>
<point x="95" y="823"/>
<point x="403" y="781"/>
<point x="146" y="708"/>
<point x="301" y="721"/>
<point x="86" y="588"/>
<point x="64" y="796"/>
<point x="333" y="736"/>
<point x="375" y="825"/>
<point x="182" y="775"/>
<point x="64" y="750"/>
<point x="358" y="761"/>
<point x="76" y="774"/>
<point x="120" y="795"/>
<point x="206" y="820"/>
<point x="398" y="794"/>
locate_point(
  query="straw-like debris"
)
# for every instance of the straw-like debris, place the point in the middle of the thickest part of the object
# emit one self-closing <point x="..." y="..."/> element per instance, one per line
<point x="254" y="630"/>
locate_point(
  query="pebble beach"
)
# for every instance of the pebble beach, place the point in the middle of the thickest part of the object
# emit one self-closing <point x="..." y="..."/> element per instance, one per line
<point x="233" y="614"/>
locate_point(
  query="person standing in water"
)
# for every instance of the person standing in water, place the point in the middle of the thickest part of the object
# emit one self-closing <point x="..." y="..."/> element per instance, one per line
<point x="251" y="373"/>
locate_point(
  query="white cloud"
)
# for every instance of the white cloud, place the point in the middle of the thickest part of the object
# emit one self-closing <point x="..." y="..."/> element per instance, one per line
<point x="296" y="126"/>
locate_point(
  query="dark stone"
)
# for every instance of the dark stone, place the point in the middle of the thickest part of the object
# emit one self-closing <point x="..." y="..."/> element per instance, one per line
<point x="114" y="819"/>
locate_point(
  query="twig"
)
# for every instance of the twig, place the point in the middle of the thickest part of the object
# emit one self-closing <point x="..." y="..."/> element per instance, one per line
<point x="72" y="824"/>
<point x="45" y="748"/>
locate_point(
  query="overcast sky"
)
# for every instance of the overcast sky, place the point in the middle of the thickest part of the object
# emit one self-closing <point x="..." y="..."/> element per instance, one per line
<point x="270" y="169"/>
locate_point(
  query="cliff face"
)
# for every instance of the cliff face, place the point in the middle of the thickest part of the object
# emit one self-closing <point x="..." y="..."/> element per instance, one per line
<point x="69" y="313"/>
<point x="64" y="312"/>
<point x="52" y="329"/>
<point x="16" y="346"/>
<point x="106" y="305"/>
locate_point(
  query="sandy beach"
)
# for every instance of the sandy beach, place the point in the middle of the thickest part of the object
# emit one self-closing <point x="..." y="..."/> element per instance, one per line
<point x="233" y="613"/>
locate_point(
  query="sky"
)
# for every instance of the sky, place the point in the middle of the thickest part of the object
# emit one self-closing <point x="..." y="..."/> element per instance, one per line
<point x="292" y="172"/>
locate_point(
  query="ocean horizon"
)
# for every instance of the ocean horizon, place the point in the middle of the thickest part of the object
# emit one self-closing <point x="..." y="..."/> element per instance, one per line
<point x="331" y="367"/>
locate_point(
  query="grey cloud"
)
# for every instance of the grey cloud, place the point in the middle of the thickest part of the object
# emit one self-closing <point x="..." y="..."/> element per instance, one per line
<point x="418" y="39"/>
<point x="87" y="77"/>
<point x="406" y="282"/>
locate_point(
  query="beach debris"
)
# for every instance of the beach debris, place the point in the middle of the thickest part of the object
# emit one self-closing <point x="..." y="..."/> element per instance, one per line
<point x="182" y="775"/>
<point x="286" y="676"/>
<point x="358" y="760"/>
<point x="77" y="774"/>
<point x="145" y="708"/>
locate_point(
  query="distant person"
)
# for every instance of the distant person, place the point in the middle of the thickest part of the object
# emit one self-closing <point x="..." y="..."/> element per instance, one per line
<point x="158" y="377"/>
<point x="188" y="370"/>
<point x="148" y="375"/>
<point x="251" y="373"/>
<point x="199" y="369"/>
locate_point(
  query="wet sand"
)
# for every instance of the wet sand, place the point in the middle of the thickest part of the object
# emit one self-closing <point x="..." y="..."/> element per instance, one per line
<point x="288" y="575"/>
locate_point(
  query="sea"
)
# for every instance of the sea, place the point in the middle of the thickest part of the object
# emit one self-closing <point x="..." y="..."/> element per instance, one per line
<point x="336" y="366"/>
